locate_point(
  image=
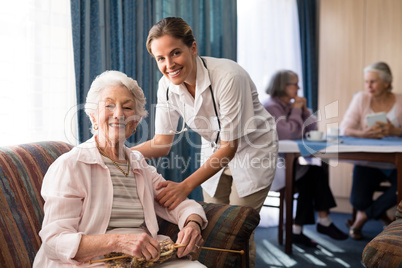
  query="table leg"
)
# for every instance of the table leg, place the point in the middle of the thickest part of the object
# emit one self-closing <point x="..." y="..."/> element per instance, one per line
<point x="289" y="161"/>
<point x="398" y="164"/>
<point x="290" y="158"/>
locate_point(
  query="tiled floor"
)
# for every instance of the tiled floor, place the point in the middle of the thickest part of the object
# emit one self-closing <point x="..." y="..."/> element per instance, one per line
<point x="330" y="253"/>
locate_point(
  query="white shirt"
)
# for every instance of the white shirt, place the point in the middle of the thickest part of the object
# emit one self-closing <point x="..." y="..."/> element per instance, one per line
<point x="241" y="117"/>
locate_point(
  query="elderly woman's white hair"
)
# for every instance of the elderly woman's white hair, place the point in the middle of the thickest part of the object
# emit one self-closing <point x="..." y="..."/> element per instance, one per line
<point x="114" y="78"/>
<point x="383" y="71"/>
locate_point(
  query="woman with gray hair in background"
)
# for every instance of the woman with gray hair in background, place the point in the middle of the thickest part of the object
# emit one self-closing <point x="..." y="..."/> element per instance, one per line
<point x="100" y="196"/>
<point x="377" y="98"/>
<point x="293" y="121"/>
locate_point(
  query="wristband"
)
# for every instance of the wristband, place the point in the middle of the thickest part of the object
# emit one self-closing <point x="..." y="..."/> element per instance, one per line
<point x="199" y="225"/>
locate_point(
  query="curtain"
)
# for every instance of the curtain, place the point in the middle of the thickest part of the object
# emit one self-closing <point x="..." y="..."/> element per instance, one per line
<point x="309" y="50"/>
<point x="268" y="40"/>
<point x="214" y="23"/>
<point x="36" y="72"/>
<point x="111" y="34"/>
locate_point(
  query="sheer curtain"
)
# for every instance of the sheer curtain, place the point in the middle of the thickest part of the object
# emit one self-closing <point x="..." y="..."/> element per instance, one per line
<point x="268" y="40"/>
<point x="36" y="72"/>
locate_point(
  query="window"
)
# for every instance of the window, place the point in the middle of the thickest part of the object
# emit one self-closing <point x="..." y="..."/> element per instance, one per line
<point x="36" y="72"/>
<point x="268" y="40"/>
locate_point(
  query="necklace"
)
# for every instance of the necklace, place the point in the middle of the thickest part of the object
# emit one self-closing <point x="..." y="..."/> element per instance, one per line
<point x="114" y="162"/>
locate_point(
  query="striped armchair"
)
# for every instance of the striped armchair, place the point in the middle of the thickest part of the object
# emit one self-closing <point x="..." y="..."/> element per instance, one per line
<point x="385" y="250"/>
<point x="22" y="169"/>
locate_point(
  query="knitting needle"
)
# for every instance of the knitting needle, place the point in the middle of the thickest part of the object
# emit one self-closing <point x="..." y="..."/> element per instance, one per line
<point x="216" y="249"/>
<point x="174" y="246"/>
<point x="129" y="256"/>
<point x="123" y="257"/>
<point x="241" y="252"/>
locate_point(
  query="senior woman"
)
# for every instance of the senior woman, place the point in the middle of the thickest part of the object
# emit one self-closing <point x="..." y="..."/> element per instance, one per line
<point x="100" y="196"/>
<point x="293" y="121"/>
<point x="378" y="98"/>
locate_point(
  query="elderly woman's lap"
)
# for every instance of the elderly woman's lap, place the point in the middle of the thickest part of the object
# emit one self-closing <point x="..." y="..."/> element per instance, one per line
<point x="181" y="263"/>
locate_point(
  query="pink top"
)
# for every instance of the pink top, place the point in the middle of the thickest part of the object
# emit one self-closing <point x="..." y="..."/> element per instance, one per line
<point x="359" y="108"/>
<point x="78" y="195"/>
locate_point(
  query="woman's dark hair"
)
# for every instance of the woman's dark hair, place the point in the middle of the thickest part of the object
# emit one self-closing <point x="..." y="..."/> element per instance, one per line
<point x="172" y="26"/>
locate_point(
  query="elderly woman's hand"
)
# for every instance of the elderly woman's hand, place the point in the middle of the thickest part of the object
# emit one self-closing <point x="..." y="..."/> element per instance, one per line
<point x="300" y="102"/>
<point x="388" y="129"/>
<point x="374" y="132"/>
<point x="190" y="236"/>
<point x="138" y="245"/>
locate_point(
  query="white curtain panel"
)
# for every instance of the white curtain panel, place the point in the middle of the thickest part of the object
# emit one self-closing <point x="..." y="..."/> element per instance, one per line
<point x="36" y="72"/>
<point x="268" y="40"/>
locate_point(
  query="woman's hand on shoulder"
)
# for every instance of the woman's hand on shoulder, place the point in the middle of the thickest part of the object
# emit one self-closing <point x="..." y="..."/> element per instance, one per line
<point x="190" y="236"/>
<point x="138" y="245"/>
<point x="172" y="194"/>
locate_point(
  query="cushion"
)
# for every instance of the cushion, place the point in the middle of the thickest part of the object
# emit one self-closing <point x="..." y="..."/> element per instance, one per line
<point x="229" y="227"/>
<point x="385" y="250"/>
<point x="22" y="169"/>
<point x="398" y="213"/>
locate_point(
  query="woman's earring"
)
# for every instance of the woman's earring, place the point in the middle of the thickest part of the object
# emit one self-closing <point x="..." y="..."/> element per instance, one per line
<point x="95" y="126"/>
<point x="135" y="130"/>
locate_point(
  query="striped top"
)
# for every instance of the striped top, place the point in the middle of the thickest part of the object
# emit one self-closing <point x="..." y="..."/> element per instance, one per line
<point x="127" y="210"/>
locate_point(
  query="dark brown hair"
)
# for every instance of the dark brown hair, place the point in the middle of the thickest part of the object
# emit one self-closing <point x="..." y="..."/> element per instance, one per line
<point x="172" y="26"/>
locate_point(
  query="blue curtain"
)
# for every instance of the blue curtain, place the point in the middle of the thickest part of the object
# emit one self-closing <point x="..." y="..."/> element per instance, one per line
<point x="111" y="35"/>
<point x="307" y="10"/>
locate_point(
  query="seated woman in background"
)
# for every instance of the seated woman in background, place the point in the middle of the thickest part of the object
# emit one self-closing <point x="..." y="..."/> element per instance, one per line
<point x="378" y="98"/>
<point x="293" y="120"/>
<point x="100" y="196"/>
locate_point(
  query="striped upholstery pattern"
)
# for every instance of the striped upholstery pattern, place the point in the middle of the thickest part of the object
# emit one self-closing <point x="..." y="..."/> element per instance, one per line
<point x="22" y="168"/>
<point x="385" y="250"/>
<point x="229" y="227"/>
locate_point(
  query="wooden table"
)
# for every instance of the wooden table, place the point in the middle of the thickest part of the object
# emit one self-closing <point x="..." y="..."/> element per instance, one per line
<point x="390" y="154"/>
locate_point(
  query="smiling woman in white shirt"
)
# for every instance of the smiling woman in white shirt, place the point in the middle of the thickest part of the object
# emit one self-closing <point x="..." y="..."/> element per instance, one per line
<point x="217" y="99"/>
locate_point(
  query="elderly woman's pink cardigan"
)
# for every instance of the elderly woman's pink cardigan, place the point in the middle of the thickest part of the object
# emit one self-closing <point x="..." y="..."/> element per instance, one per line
<point x="78" y="195"/>
<point x="355" y="116"/>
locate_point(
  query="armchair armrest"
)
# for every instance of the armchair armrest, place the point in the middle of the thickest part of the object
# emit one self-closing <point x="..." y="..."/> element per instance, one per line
<point x="384" y="250"/>
<point x="229" y="227"/>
